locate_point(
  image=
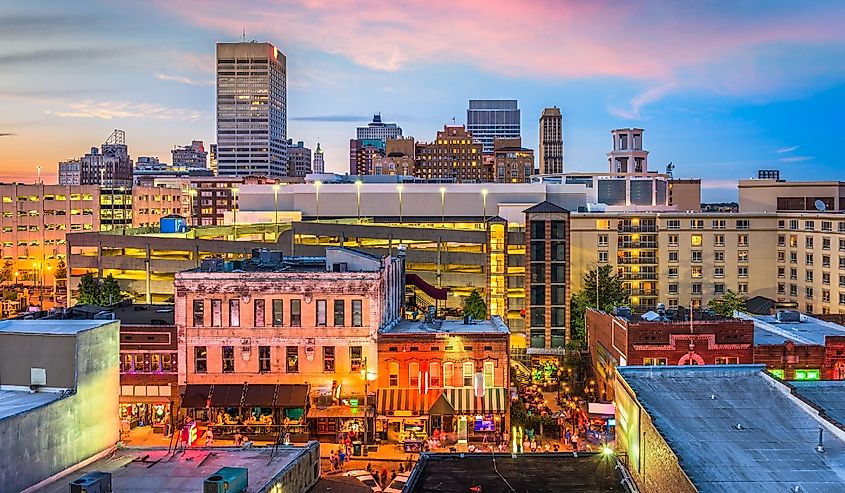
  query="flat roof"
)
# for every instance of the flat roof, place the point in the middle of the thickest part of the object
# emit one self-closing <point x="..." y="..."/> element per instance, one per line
<point x="774" y="450"/>
<point x="767" y="330"/>
<point x="50" y="327"/>
<point x="137" y="470"/>
<point x="828" y="395"/>
<point x="14" y="402"/>
<point x="493" y="325"/>
<point x="537" y="473"/>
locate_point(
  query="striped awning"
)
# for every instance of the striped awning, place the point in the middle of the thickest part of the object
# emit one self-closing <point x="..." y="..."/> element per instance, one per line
<point x="464" y="401"/>
<point x="388" y="401"/>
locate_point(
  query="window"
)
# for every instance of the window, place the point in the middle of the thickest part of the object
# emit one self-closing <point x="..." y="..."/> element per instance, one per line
<point x="199" y="313"/>
<point x="807" y="374"/>
<point x="742" y="271"/>
<point x="258" y="308"/>
<point x="825" y="296"/>
<point x="742" y="256"/>
<point x="356" y="358"/>
<point x="393" y="371"/>
<point x="673" y="240"/>
<point x="489" y="368"/>
<point x="292" y="359"/>
<point x="727" y="360"/>
<point x="742" y="240"/>
<point x="809" y="225"/>
<point x="825" y="243"/>
<point x="842" y="298"/>
<point x="673" y="272"/>
<point x="718" y="240"/>
<point x="793" y="224"/>
<point x="654" y="361"/>
<point x="808" y="242"/>
<point x="264" y="359"/>
<point x="321" y="313"/>
<point x="696" y="223"/>
<point x="826" y="278"/>
<point x="448" y="374"/>
<point x="468" y="370"/>
<point x="743" y="224"/>
<point x="414" y="374"/>
<point x="673" y="288"/>
<point x="777" y="374"/>
<point x="696" y="255"/>
<point x="808" y="259"/>
<point x="793" y="290"/>
<point x="695" y="240"/>
<point x="718" y="256"/>
<point x="696" y="272"/>
<point x="603" y="241"/>
<point x="808" y="293"/>
<point x="673" y="257"/>
<point x="602" y="257"/>
<point x="216" y="313"/>
<point x="826" y="261"/>
<point x="434" y="374"/>
<point x="781" y="256"/>
<point x="296" y="313"/>
<point x="827" y="226"/>
<point x="793" y="241"/>
<point x="357" y="313"/>
<point x="278" y="312"/>
<point x="673" y="224"/>
<point x="841" y="281"/>
<point x="696" y="288"/>
<point x="718" y="224"/>
<point x="200" y="359"/>
<point x="328" y="358"/>
<point x="719" y="288"/>
<point x="234" y="313"/>
<point x="339" y="313"/>
<point x="781" y="288"/>
<point x="842" y="245"/>
<point x="808" y="276"/>
<point x="781" y="240"/>
<point x="228" y="359"/>
<point x="793" y="258"/>
<point x="719" y="272"/>
<point x="742" y="288"/>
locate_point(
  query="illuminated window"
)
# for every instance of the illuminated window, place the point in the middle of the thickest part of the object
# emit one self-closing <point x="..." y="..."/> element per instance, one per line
<point x="695" y="240"/>
<point x="292" y="359"/>
<point x="448" y="374"/>
<point x="413" y="374"/>
<point x="468" y="370"/>
<point x="200" y="359"/>
<point x="228" y="355"/>
<point x="727" y="360"/>
<point x="654" y="361"/>
<point x="489" y="368"/>
<point x="216" y="313"/>
<point x="434" y="374"/>
<point x="234" y="313"/>
<point x="393" y="371"/>
<point x="807" y="374"/>
<point x="777" y="373"/>
<point x="258" y="309"/>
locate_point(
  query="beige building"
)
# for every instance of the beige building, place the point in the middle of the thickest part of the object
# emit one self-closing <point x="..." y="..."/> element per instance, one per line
<point x="512" y="163"/>
<point x="551" y="142"/>
<point x="150" y="204"/>
<point x="779" y="195"/>
<point x="453" y="156"/>
<point x="685" y="193"/>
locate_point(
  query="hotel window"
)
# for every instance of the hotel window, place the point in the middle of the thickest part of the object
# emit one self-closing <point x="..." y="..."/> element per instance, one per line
<point x="228" y="355"/>
<point x="603" y="240"/>
<point x="718" y="224"/>
<point x="718" y="255"/>
<point x="793" y="224"/>
<point x="258" y="309"/>
<point x="673" y="240"/>
<point x="696" y="255"/>
<point x="199" y="313"/>
<point x="695" y="240"/>
<point x="434" y="374"/>
<point x="808" y="293"/>
<point x="742" y="288"/>
<point x="296" y="313"/>
<point x="793" y="241"/>
<point x="673" y="303"/>
<point x="414" y="374"/>
<point x="602" y="224"/>
<point x="842" y="245"/>
<point x="278" y="312"/>
<point x="826" y="261"/>
<point x="827" y="226"/>
<point x="808" y="259"/>
<point x="234" y="313"/>
<point x="448" y="374"/>
<point x="469" y="368"/>
<point x="292" y="359"/>
<point x="743" y="224"/>
<point x="356" y="358"/>
<point x="807" y="374"/>
<point x="216" y="313"/>
<point x="781" y="240"/>
<point x="696" y="288"/>
<point x="841" y="226"/>
<point x="742" y="271"/>
<point x="781" y="256"/>
<point x="809" y="225"/>
<point x="826" y="278"/>
<point x="719" y="272"/>
<point x="393" y="372"/>
<point x="673" y="224"/>
<point x="673" y="256"/>
<point x="603" y="257"/>
<point x="489" y="368"/>
<point x="742" y="240"/>
<point x="200" y="359"/>
<point x="841" y="281"/>
<point x="825" y="243"/>
<point x="781" y="288"/>
<point x="742" y="256"/>
<point x="718" y="240"/>
<point x="781" y="272"/>
<point x="673" y="272"/>
<point x="357" y="313"/>
<point x="321" y="313"/>
<point x="842" y="262"/>
<point x="719" y="288"/>
<point x="696" y="272"/>
<point x="328" y="358"/>
<point x="264" y="359"/>
<point x="793" y="258"/>
<point x="673" y="288"/>
<point x="808" y="276"/>
<point x="842" y="298"/>
<point x="793" y="290"/>
<point x="727" y="360"/>
<point x="825" y="296"/>
<point x="654" y="361"/>
<point x="339" y="313"/>
<point x="696" y="224"/>
<point x="808" y="242"/>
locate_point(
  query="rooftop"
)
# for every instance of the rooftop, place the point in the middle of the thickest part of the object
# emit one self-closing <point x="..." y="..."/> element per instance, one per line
<point x="493" y="325"/>
<point x="828" y="396"/>
<point x="49" y="327"/>
<point x="537" y="473"/>
<point x="146" y="470"/>
<point x="808" y="331"/>
<point x="696" y="409"/>
<point x="336" y="260"/>
<point x="13" y="402"/>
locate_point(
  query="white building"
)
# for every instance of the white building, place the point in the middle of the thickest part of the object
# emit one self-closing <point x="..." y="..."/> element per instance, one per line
<point x="378" y="130"/>
<point x="319" y="161"/>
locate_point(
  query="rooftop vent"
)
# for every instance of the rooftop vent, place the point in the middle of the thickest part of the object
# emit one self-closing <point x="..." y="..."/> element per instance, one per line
<point x="37" y="378"/>
<point x="788" y="316"/>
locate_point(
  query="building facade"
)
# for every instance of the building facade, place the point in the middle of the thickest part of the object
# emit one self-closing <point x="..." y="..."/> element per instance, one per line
<point x="454" y="156"/>
<point x="378" y="130"/>
<point x="362" y="153"/>
<point x="770" y="195"/>
<point x="627" y="155"/>
<point x="251" y="109"/>
<point x="319" y="160"/>
<point x="109" y="166"/>
<point x="192" y="156"/>
<point x="512" y="162"/>
<point x="551" y="142"/>
<point x="299" y="159"/>
<point x="150" y="204"/>
<point x="488" y="119"/>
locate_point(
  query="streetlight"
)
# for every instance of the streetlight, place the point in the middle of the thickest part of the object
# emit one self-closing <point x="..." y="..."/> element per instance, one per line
<point x="276" y="202"/>
<point x="442" y="207"/>
<point x="192" y="193"/>
<point x="399" y="189"/>
<point x="484" y="201"/>
<point x="317" y="193"/>
<point x="234" y="205"/>
<point x="358" y="184"/>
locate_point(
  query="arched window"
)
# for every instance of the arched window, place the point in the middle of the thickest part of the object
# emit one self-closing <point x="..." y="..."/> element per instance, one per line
<point x="414" y="374"/>
<point x="448" y="374"/>
<point x="469" y="368"/>
<point x="394" y="374"/>
<point x="434" y="374"/>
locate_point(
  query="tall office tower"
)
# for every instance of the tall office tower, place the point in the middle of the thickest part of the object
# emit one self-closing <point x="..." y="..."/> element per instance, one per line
<point x="299" y="159"/>
<point x="491" y="118"/>
<point x="251" y="110"/>
<point x="627" y="155"/>
<point x="378" y="130"/>
<point x="108" y="166"/>
<point x="319" y="162"/>
<point x="193" y="156"/>
<point x="212" y="158"/>
<point x="551" y="142"/>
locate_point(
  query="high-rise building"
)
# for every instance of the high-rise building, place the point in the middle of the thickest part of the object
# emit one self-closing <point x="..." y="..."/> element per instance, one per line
<point x="379" y="130"/>
<point x="319" y="161"/>
<point x="108" y="166"/>
<point x="299" y="159"/>
<point x="551" y="141"/>
<point x="212" y="158"/>
<point x="193" y="156"/>
<point x="454" y="156"/>
<point x="251" y="109"/>
<point x="627" y="155"/>
<point x="491" y="118"/>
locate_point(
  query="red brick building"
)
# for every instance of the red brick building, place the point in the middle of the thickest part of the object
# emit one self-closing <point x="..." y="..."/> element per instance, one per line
<point x="615" y="341"/>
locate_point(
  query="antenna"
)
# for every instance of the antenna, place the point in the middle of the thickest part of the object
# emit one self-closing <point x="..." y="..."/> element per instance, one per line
<point x="820" y="205"/>
<point x="243" y="36"/>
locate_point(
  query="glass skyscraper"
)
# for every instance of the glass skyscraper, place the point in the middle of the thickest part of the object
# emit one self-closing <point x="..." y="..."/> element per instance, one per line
<point x="488" y="119"/>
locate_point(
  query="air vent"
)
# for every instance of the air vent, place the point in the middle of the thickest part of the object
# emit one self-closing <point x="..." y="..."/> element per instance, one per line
<point x="37" y="377"/>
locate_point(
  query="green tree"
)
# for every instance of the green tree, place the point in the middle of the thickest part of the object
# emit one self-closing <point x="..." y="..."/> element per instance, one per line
<point x="110" y="292"/>
<point x="61" y="270"/>
<point x="475" y="306"/>
<point x="89" y="290"/>
<point x="727" y="304"/>
<point x="611" y="293"/>
<point x="7" y="272"/>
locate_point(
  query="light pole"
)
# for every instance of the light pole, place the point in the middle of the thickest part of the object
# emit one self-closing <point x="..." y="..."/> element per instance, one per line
<point x="358" y="184"/>
<point x="235" y="205"/>
<point x="317" y="193"/>
<point x="484" y="202"/>
<point x="399" y="189"/>
<point x="276" y="203"/>
<point x="442" y="207"/>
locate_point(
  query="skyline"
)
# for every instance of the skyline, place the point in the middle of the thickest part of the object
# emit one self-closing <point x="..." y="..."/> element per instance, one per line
<point x="734" y="77"/>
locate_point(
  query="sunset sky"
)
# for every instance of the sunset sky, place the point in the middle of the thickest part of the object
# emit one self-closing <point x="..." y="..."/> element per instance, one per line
<point x="722" y="88"/>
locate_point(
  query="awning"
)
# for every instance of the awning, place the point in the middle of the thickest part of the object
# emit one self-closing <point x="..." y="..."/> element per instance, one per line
<point x="291" y="395"/>
<point x="411" y="401"/>
<point x="464" y="401"/>
<point x="602" y="409"/>
<point x="195" y="396"/>
<point x="224" y="395"/>
<point x="258" y="395"/>
<point x="342" y="412"/>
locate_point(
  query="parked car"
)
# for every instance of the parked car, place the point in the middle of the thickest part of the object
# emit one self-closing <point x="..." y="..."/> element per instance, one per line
<point x="366" y="478"/>
<point x="398" y="483"/>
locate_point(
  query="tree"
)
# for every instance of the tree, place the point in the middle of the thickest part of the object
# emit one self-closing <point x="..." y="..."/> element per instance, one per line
<point x="611" y="293"/>
<point x="519" y="416"/>
<point x="727" y="304"/>
<point x="7" y="272"/>
<point x="61" y="270"/>
<point x="110" y="292"/>
<point x="475" y="307"/>
<point x="89" y="290"/>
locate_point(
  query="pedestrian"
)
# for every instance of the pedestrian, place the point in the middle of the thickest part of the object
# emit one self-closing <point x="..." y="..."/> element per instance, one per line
<point x="575" y="442"/>
<point x="533" y="445"/>
<point x="526" y="445"/>
<point x="383" y="475"/>
<point x="401" y="467"/>
<point x="333" y="461"/>
<point x="548" y="447"/>
<point x="209" y="437"/>
<point x="370" y="467"/>
<point x="567" y="437"/>
<point x="392" y="475"/>
<point x="341" y="459"/>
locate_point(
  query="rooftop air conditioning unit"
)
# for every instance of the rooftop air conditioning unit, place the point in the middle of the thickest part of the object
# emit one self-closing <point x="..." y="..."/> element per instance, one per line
<point x="93" y="482"/>
<point x="788" y="316"/>
<point x="226" y="480"/>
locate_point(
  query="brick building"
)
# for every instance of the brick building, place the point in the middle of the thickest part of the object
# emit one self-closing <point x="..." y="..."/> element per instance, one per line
<point x="512" y="163"/>
<point x="445" y="374"/>
<point x="453" y="156"/>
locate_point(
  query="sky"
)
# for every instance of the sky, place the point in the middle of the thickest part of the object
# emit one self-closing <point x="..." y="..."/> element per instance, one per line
<point x="721" y="88"/>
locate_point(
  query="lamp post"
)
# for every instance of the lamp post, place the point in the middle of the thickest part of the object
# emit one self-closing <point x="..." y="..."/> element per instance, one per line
<point x="317" y="195"/>
<point x="484" y="202"/>
<point x="276" y="203"/>
<point x="358" y="184"/>
<point x="399" y="189"/>
<point x="235" y="205"/>
<point x="442" y="207"/>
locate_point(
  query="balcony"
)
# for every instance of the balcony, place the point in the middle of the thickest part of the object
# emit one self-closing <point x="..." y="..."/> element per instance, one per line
<point x="636" y="244"/>
<point x="641" y="292"/>
<point x="637" y="260"/>
<point x="638" y="276"/>
<point x="640" y="228"/>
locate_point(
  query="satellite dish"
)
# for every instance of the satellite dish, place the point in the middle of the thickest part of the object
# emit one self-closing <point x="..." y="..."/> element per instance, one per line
<point x="820" y="206"/>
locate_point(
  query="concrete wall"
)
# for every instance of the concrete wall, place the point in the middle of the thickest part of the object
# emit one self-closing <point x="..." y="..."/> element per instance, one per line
<point x="21" y="352"/>
<point x="300" y="475"/>
<point x="47" y="440"/>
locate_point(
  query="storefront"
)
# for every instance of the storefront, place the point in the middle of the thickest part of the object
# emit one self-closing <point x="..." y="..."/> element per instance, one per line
<point x="602" y="422"/>
<point x="145" y="405"/>
<point x="462" y="416"/>
<point x="336" y="423"/>
<point x="402" y="415"/>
